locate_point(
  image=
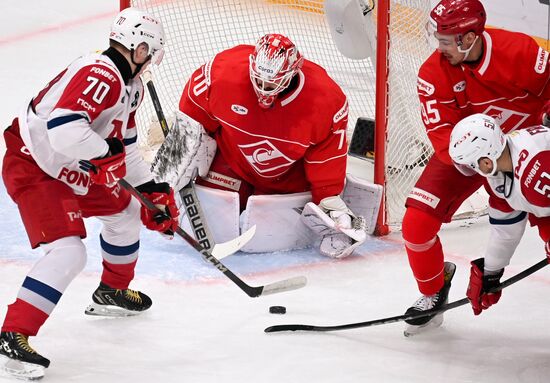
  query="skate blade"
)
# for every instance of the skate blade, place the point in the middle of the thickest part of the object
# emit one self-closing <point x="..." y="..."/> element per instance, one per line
<point x="109" y="311"/>
<point x="20" y="370"/>
<point x="412" y="330"/>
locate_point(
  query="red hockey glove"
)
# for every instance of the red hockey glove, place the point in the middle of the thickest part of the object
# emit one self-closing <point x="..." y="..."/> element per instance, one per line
<point x="480" y="284"/>
<point x="545" y="114"/>
<point x="547" y="247"/>
<point x="110" y="168"/>
<point x="162" y="195"/>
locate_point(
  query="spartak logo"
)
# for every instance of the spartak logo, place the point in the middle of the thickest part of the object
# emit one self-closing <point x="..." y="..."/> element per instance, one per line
<point x="266" y="159"/>
<point x="508" y="120"/>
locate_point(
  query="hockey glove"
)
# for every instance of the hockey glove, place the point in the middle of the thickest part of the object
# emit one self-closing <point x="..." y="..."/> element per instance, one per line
<point x="479" y="286"/>
<point x="341" y="231"/>
<point x="162" y="195"/>
<point x="108" y="169"/>
<point x="547" y="247"/>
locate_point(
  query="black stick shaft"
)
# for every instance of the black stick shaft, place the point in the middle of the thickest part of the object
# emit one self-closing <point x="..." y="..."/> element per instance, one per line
<point x="461" y="302"/>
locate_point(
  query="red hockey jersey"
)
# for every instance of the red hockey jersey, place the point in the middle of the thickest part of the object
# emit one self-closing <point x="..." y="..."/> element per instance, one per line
<point x="298" y="144"/>
<point x="509" y="83"/>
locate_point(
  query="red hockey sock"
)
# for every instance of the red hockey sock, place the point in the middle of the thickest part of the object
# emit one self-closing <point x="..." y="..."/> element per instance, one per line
<point x="424" y="250"/>
<point x="118" y="276"/>
<point x="24" y="318"/>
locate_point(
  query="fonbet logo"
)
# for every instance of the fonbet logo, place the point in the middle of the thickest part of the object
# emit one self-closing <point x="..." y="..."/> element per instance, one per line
<point x="266" y="159"/>
<point x="424" y="87"/>
<point x="73" y="177"/>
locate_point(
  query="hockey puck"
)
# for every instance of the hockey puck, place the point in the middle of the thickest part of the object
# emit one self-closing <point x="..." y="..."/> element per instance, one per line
<point x="277" y="310"/>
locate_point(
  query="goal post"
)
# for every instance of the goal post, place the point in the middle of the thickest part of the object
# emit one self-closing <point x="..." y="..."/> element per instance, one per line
<point x="380" y="88"/>
<point x="381" y="109"/>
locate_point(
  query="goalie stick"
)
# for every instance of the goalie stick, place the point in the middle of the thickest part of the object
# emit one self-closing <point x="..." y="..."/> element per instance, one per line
<point x="188" y="193"/>
<point x="399" y="318"/>
<point x="252" y="291"/>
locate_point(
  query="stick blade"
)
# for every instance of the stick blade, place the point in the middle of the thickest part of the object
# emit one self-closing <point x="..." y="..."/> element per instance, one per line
<point x="222" y="250"/>
<point x="289" y="327"/>
<point x="285" y="285"/>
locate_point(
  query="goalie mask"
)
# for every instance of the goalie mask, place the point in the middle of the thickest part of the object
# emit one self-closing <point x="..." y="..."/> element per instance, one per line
<point x="273" y="64"/>
<point x="476" y="137"/>
<point x="133" y="26"/>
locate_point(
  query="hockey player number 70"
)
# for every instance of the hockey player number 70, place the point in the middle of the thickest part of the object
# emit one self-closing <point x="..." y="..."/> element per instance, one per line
<point x="100" y="91"/>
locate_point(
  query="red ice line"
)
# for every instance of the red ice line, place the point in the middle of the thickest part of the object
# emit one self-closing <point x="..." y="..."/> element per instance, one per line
<point x="54" y="28"/>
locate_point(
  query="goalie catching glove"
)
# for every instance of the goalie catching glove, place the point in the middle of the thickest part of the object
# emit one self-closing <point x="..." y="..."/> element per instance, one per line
<point x="162" y="195"/>
<point x="341" y="231"/>
<point x="108" y="169"/>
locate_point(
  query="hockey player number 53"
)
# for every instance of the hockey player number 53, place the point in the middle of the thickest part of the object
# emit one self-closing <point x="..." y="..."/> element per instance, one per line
<point x="430" y="114"/>
<point x="543" y="185"/>
<point x="101" y="89"/>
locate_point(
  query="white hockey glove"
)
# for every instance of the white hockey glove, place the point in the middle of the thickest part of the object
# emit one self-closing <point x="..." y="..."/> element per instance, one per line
<point x="186" y="151"/>
<point x="341" y="231"/>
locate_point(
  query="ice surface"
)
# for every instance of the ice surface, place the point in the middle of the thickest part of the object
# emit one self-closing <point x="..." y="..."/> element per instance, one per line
<point x="202" y="328"/>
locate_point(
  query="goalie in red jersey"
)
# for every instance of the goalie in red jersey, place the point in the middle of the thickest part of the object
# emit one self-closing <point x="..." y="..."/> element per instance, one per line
<point x="473" y="70"/>
<point x="279" y="124"/>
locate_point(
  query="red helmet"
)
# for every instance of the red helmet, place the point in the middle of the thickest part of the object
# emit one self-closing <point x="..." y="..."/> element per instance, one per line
<point x="272" y="65"/>
<point x="453" y="17"/>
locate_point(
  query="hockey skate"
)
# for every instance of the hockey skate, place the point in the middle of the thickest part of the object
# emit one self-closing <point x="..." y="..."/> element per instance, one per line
<point x="117" y="303"/>
<point x="427" y="302"/>
<point x="18" y="359"/>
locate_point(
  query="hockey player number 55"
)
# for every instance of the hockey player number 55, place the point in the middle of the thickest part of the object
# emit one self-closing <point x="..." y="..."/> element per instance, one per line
<point x="430" y="114"/>
<point x="101" y="89"/>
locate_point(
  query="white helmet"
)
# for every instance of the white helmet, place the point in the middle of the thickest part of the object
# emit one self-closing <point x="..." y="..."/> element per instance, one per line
<point x="133" y="26"/>
<point x="475" y="137"/>
<point x="273" y="64"/>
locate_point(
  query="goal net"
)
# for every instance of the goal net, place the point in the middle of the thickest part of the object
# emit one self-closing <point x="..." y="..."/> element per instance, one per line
<point x="198" y="29"/>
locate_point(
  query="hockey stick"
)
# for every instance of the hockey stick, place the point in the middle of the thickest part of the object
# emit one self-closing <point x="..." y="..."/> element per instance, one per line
<point x="399" y="318"/>
<point x="252" y="291"/>
<point x="188" y="194"/>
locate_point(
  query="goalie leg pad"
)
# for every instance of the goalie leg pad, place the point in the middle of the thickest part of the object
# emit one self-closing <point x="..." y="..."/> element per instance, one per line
<point x="363" y="199"/>
<point x="222" y="214"/>
<point x="278" y="224"/>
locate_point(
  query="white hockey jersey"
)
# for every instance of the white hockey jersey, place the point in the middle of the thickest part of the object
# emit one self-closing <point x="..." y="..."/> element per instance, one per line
<point x="70" y="118"/>
<point x="514" y="195"/>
